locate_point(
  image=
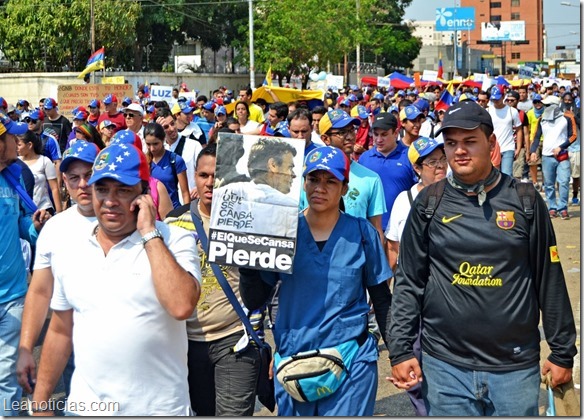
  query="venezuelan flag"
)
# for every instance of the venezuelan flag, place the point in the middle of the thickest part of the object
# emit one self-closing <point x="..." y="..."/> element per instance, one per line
<point x="95" y="62"/>
<point x="446" y="98"/>
<point x="440" y="67"/>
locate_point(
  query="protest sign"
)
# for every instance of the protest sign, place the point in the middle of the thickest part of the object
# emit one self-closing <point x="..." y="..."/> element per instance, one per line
<point x="254" y="216"/>
<point x="430" y="75"/>
<point x="72" y="96"/>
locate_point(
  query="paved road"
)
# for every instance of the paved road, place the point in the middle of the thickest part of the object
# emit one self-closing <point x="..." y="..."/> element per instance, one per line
<point x="392" y="402"/>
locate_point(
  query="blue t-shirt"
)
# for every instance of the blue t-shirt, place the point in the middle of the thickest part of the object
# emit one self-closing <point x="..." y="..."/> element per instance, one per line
<point x="323" y="302"/>
<point x="15" y="223"/>
<point x="162" y="171"/>
<point x="52" y="150"/>
<point x="396" y="173"/>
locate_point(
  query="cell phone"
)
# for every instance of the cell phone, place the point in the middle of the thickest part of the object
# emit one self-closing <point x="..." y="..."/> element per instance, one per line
<point x="31" y="383"/>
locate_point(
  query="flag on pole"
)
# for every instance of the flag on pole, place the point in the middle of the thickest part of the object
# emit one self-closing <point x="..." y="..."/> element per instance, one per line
<point x="95" y="62"/>
<point x="440" y="67"/>
<point x="268" y="79"/>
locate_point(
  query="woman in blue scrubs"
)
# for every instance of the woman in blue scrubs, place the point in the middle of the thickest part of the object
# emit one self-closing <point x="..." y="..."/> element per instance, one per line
<point x="323" y="303"/>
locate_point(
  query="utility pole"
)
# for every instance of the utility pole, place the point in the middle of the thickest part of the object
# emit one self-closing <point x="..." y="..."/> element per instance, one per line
<point x="92" y="34"/>
<point x="251" y="56"/>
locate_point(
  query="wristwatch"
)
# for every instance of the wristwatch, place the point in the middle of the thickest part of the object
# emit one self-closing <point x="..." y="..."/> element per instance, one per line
<point x="151" y="235"/>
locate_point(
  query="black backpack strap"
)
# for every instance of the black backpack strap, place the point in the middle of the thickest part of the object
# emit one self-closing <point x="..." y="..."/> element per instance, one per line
<point x="180" y="146"/>
<point x="410" y="197"/>
<point x="433" y="197"/>
<point x="526" y="192"/>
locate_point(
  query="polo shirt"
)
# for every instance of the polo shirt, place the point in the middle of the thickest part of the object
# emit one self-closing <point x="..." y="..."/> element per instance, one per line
<point x="396" y="173"/>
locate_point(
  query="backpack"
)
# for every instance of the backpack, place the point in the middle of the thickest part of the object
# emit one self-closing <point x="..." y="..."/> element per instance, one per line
<point x="525" y="191"/>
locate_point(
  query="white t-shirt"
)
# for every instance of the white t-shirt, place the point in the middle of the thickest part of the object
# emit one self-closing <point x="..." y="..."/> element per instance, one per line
<point x="128" y="349"/>
<point x="43" y="170"/>
<point x="250" y="127"/>
<point x="399" y="214"/>
<point x="189" y="154"/>
<point x="57" y="235"/>
<point x="505" y="120"/>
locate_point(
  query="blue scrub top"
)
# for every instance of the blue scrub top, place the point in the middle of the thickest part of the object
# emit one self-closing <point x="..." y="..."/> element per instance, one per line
<point x="323" y="303"/>
<point x="162" y="171"/>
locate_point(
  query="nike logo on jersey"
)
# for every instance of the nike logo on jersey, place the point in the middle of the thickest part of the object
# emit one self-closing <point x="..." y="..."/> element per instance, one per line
<point x="450" y="219"/>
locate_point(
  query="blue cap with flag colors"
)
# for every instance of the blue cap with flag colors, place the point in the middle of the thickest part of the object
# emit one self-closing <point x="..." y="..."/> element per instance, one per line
<point x="410" y="112"/>
<point x="50" y="103"/>
<point x="359" y="111"/>
<point x="80" y="150"/>
<point x="496" y="93"/>
<point x="336" y="118"/>
<point x="421" y="148"/>
<point x="94" y="103"/>
<point x="13" y="127"/>
<point x="109" y="99"/>
<point x="220" y="110"/>
<point x="121" y="162"/>
<point x="330" y="159"/>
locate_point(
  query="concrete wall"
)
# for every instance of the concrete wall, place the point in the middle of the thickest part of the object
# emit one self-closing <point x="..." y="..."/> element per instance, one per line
<point x="34" y="86"/>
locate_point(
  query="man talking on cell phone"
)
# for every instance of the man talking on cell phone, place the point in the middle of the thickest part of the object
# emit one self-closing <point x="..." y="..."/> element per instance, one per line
<point x="121" y="299"/>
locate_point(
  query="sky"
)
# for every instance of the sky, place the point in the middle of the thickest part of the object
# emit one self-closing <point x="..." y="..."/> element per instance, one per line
<point x="560" y="20"/>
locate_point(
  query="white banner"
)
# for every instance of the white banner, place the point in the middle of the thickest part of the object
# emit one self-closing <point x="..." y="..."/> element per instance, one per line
<point x="161" y="93"/>
<point x="526" y="72"/>
<point x="430" y="75"/>
<point x="383" y="82"/>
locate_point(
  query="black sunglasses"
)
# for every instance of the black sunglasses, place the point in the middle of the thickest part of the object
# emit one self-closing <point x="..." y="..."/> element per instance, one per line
<point x="30" y="120"/>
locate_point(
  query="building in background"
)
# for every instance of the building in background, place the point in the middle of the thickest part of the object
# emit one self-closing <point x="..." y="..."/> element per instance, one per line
<point x="505" y="14"/>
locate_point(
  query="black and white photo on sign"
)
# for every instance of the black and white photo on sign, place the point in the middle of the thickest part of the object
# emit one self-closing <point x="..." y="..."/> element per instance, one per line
<point x="254" y="216"/>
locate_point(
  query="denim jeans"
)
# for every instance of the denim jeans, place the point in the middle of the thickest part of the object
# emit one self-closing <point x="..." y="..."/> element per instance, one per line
<point x="222" y="382"/>
<point x="10" y="323"/>
<point x="454" y="391"/>
<point x="507" y="162"/>
<point x="554" y="171"/>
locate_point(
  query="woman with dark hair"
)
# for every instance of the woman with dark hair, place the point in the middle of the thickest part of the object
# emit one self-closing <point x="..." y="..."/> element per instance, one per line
<point x="29" y="148"/>
<point x="88" y="133"/>
<point x="247" y="126"/>
<point x="166" y="166"/>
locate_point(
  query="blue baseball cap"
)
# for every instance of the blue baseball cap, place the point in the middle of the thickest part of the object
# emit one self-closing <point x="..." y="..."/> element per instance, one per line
<point x="121" y="162"/>
<point x="352" y="97"/>
<point x="422" y="104"/>
<point x="536" y="97"/>
<point x="37" y="114"/>
<point x="220" y="110"/>
<point x="127" y="101"/>
<point x="13" y="127"/>
<point x="359" y="111"/>
<point x="80" y="150"/>
<point x="330" y="159"/>
<point x="80" y="115"/>
<point x="401" y="93"/>
<point x="410" y="112"/>
<point x="109" y="99"/>
<point x="345" y="102"/>
<point x="22" y="102"/>
<point x="378" y="96"/>
<point x="421" y="148"/>
<point x="94" y="103"/>
<point x="496" y="93"/>
<point x="185" y="108"/>
<point x="336" y="118"/>
<point x="50" y="103"/>
<point x="393" y="108"/>
<point x="209" y="106"/>
<point x="127" y="136"/>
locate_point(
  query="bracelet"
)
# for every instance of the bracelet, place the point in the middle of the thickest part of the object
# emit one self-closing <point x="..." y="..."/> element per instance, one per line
<point x="151" y="235"/>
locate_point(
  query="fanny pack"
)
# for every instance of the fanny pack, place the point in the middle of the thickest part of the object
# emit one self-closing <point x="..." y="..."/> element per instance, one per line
<point x="315" y="374"/>
<point x="562" y="156"/>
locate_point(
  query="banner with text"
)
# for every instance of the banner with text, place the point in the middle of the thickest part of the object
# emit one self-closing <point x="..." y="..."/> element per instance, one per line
<point x="72" y="96"/>
<point x="254" y="216"/>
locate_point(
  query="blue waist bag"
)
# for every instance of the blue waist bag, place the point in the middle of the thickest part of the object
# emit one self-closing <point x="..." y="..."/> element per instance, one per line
<point x="315" y="374"/>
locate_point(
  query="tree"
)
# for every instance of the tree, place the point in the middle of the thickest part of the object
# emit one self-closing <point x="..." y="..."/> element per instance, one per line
<point x="54" y="34"/>
<point x="295" y="37"/>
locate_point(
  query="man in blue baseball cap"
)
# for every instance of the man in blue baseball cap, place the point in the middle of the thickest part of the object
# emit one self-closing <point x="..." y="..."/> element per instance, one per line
<point x="58" y="122"/>
<point x="412" y="119"/>
<point x="112" y="113"/>
<point x="126" y="242"/>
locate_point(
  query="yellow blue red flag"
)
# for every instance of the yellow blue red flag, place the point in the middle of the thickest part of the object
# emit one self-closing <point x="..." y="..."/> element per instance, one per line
<point x="95" y="62"/>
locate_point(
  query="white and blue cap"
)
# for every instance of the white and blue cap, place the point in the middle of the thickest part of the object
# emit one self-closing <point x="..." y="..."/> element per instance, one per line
<point x="220" y="110"/>
<point x="13" y="127"/>
<point x="80" y="150"/>
<point x="121" y="162"/>
<point x="330" y="159"/>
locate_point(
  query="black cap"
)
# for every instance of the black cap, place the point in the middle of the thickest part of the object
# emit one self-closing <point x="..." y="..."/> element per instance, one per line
<point x="385" y="121"/>
<point x="467" y="115"/>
